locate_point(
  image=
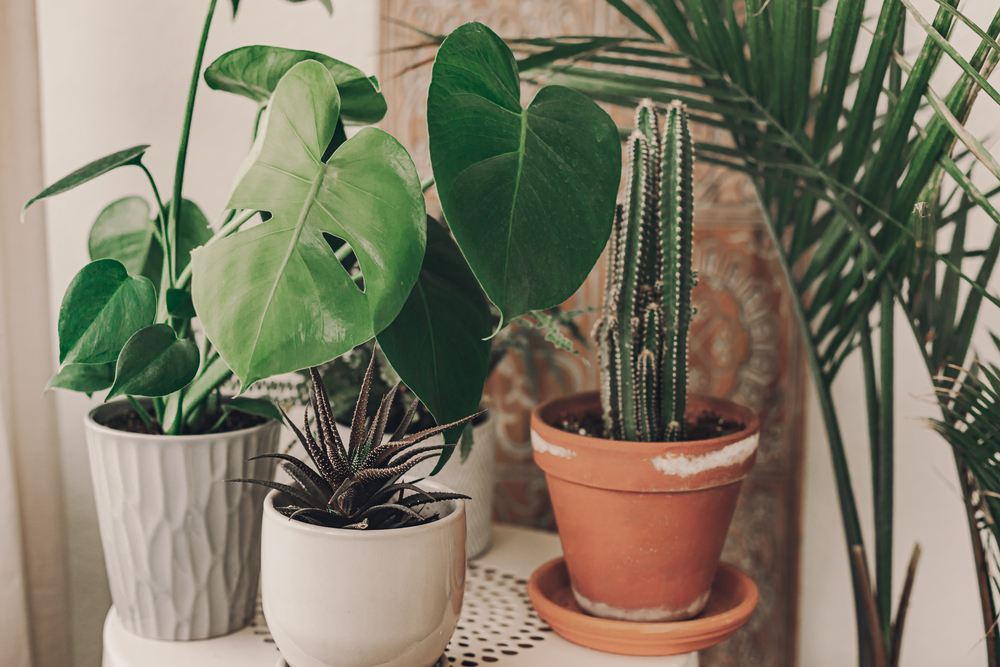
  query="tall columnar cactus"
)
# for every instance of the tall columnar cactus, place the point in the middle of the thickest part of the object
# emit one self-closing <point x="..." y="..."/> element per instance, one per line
<point x="643" y="330"/>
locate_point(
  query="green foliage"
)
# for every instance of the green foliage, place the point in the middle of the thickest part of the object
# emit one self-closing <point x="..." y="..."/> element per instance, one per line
<point x="642" y="333"/>
<point x="102" y="308"/>
<point x="154" y="362"/>
<point x="437" y="345"/>
<point x="86" y="378"/>
<point x="838" y="184"/>
<point x="88" y="172"/>
<point x="271" y="298"/>
<point x="339" y="254"/>
<point x="358" y="482"/>
<point x="528" y="193"/>
<point x="254" y="72"/>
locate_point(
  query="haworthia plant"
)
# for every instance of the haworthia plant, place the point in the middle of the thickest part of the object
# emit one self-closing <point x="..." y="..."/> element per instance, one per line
<point x="642" y="333"/>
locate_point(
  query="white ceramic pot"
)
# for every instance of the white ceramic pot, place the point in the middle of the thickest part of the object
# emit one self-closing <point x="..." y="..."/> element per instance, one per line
<point x="338" y="597"/>
<point x="476" y="477"/>
<point x="181" y="545"/>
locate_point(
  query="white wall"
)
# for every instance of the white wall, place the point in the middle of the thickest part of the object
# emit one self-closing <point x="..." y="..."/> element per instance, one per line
<point x="115" y="74"/>
<point x="944" y="626"/>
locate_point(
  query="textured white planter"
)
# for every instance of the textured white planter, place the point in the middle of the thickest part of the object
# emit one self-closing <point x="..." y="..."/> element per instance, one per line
<point x="476" y="477"/>
<point x="336" y="597"/>
<point x="181" y="545"/>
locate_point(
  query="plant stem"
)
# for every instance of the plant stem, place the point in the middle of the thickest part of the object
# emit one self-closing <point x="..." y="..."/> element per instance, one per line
<point x="162" y="216"/>
<point x="884" y="487"/>
<point x="141" y="411"/>
<point x="842" y="474"/>
<point x="227" y="229"/>
<point x="427" y="183"/>
<point x="175" y="203"/>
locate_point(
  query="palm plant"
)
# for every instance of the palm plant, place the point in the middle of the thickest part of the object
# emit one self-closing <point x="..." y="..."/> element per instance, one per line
<point x="858" y="172"/>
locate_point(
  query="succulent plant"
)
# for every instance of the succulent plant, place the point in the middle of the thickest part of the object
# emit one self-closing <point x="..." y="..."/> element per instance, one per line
<point x="643" y="329"/>
<point x="357" y="484"/>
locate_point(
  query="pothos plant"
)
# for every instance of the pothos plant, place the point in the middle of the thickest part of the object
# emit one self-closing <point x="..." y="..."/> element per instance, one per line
<point x="340" y="250"/>
<point x="125" y="323"/>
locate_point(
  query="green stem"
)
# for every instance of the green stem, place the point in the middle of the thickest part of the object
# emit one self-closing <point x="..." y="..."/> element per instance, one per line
<point x="141" y="411"/>
<point x="884" y="486"/>
<point x="162" y="216"/>
<point x="427" y="183"/>
<point x="842" y="474"/>
<point x="175" y="203"/>
<point x="227" y="229"/>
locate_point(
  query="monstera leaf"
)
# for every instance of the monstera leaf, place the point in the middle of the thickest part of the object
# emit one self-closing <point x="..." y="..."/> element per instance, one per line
<point x="274" y="298"/>
<point x="528" y="193"/>
<point x="254" y="72"/>
<point x="436" y="343"/>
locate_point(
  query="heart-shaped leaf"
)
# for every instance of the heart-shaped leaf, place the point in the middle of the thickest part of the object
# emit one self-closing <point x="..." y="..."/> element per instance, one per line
<point x="179" y="304"/>
<point x="89" y="172"/>
<point x="86" y="378"/>
<point x="154" y="362"/>
<point x="436" y="343"/>
<point x="193" y="231"/>
<point x="124" y="231"/>
<point x="254" y="72"/>
<point x="102" y="308"/>
<point x="274" y="298"/>
<point x="528" y="193"/>
<point x="261" y="407"/>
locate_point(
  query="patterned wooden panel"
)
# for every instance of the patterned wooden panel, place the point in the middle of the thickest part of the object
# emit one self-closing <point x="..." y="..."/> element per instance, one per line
<point x="743" y="344"/>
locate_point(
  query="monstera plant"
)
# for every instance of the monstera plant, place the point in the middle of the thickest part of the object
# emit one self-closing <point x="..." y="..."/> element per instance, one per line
<point x="346" y="252"/>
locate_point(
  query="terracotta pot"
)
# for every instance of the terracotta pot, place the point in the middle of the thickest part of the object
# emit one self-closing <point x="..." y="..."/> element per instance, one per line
<point x="642" y="524"/>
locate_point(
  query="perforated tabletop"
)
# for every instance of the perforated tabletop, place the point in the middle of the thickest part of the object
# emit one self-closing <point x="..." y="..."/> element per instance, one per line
<point x="498" y="626"/>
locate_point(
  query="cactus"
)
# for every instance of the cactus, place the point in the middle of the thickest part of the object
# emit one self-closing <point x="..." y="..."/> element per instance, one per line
<point x="642" y="333"/>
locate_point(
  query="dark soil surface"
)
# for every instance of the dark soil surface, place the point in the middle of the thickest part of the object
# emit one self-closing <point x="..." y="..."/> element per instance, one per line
<point x="131" y="422"/>
<point x="705" y="426"/>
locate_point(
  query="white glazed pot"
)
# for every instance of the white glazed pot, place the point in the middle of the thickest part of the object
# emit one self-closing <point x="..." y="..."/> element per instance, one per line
<point x="181" y="545"/>
<point x="476" y="477"/>
<point x="339" y="597"/>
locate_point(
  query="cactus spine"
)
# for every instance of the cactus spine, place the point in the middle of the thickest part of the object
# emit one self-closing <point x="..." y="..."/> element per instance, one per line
<point x="642" y="333"/>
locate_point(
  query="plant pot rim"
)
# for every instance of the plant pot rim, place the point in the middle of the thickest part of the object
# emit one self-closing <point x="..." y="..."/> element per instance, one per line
<point x="643" y="466"/>
<point x="95" y="425"/>
<point x="366" y="536"/>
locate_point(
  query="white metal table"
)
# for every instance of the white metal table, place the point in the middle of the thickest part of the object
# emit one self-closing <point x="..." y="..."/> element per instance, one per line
<point x="498" y="625"/>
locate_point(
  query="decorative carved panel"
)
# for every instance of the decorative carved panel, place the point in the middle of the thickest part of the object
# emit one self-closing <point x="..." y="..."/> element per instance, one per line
<point x="744" y="344"/>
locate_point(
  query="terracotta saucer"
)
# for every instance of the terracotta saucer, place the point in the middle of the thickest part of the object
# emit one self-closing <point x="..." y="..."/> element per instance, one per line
<point x="733" y="599"/>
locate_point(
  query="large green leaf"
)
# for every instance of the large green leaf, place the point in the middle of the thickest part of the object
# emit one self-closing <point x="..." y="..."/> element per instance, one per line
<point x="102" y="308"/>
<point x="436" y="343"/>
<point x="154" y="362"/>
<point x="261" y="407"/>
<point x="274" y="298"/>
<point x="254" y="72"/>
<point x="124" y="231"/>
<point x="528" y="193"/>
<point x="86" y="378"/>
<point x="88" y="172"/>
